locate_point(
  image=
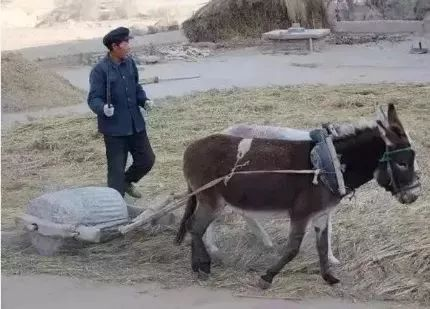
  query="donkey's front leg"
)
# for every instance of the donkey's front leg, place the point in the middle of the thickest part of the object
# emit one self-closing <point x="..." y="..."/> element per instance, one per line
<point x="295" y="237"/>
<point x="321" y="226"/>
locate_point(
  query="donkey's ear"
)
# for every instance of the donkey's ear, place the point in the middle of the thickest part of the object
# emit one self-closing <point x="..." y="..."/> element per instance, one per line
<point x="394" y="122"/>
<point x="386" y="134"/>
<point x="393" y="119"/>
<point x="381" y="115"/>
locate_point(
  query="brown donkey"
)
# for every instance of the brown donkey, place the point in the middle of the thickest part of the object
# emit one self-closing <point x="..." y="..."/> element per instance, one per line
<point x="263" y="131"/>
<point x="381" y="150"/>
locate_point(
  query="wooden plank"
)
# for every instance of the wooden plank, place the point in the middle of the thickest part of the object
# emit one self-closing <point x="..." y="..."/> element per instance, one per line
<point x="286" y="35"/>
<point x="154" y="212"/>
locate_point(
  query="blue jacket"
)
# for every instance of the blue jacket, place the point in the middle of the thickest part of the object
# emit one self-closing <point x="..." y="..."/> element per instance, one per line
<point x="126" y="95"/>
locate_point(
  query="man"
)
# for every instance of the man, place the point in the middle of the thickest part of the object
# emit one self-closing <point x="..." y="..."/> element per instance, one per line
<point x="115" y="96"/>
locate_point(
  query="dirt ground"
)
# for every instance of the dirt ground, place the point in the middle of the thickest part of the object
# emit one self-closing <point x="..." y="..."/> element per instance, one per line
<point x="382" y="62"/>
<point x="46" y="292"/>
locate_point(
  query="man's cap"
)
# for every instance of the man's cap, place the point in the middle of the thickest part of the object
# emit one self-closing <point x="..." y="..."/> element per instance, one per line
<point x="117" y="35"/>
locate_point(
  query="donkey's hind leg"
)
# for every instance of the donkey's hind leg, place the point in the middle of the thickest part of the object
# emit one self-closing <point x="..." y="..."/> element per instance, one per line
<point x="207" y="209"/>
<point x="209" y="240"/>
<point x="255" y="226"/>
<point x="258" y="230"/>
<point x="295" y="237"/>
<point x="331" y="258"/>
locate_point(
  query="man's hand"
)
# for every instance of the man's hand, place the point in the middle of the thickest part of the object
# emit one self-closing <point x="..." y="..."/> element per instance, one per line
<point x="148" y="105"/>
<point x="108" y="111"/>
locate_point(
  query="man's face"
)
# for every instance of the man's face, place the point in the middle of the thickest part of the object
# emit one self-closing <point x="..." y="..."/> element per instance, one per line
<point x="122" y="49"/>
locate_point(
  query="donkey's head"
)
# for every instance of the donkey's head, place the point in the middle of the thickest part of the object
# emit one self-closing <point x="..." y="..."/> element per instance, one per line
<point x="397" y="169"/>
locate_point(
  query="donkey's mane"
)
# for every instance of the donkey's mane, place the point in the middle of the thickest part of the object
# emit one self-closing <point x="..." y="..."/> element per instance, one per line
<point x="347" y="130"/>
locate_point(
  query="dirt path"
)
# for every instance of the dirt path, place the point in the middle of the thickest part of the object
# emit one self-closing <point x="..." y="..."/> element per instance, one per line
<point x="376" y="63"/>
<point x="46" y="292"/>
<point x="373" y="63"/>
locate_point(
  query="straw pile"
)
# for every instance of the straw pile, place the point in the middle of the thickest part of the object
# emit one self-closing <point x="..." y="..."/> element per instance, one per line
<point x="25" y="85"/>
<point x="384" y="247"/>
<point x="228" y="19"/>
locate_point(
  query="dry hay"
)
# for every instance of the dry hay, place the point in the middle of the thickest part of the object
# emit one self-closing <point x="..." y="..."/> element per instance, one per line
<point x="27" y="86"/>
<point x="384" y="247"/>
<point x="227" y="19"/>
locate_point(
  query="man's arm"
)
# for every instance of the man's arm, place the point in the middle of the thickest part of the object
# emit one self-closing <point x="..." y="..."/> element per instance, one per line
<point x="97" y="94"/>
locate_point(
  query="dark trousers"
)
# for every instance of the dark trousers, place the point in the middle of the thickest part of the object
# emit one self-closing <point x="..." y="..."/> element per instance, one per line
<point x="117" y="149"/>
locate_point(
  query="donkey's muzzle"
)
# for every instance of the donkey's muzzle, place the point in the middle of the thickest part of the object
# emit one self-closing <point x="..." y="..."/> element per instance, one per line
<point x="409" y="195"/>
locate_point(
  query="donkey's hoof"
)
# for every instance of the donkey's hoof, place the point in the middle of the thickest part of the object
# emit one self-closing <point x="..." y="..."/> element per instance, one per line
<point x="263" y="284"/>
<point x="330" y="279"/>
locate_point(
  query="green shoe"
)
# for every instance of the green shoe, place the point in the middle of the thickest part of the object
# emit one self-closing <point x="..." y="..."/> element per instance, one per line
<point x="130" y="189"/>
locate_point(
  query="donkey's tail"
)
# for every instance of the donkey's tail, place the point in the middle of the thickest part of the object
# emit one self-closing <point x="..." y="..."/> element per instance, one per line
<point x="189" y="211"/>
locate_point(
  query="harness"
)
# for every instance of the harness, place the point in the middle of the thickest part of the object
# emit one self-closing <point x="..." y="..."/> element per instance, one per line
<point x="388" y="159"/>
<point x="324" y="157"/>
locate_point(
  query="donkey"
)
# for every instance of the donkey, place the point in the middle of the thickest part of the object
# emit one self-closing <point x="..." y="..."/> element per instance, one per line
<point x="263" y="131"/>
<point x="271" y="132"/>
<point x="381" y="151"/>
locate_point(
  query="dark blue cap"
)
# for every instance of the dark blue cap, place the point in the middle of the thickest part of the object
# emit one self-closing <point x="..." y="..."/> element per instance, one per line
<point x="117" y="36"/>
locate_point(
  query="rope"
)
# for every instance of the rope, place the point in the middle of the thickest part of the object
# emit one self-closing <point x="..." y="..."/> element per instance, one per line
<point x="226" y="178"/>
<point x="181" y="201"/>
